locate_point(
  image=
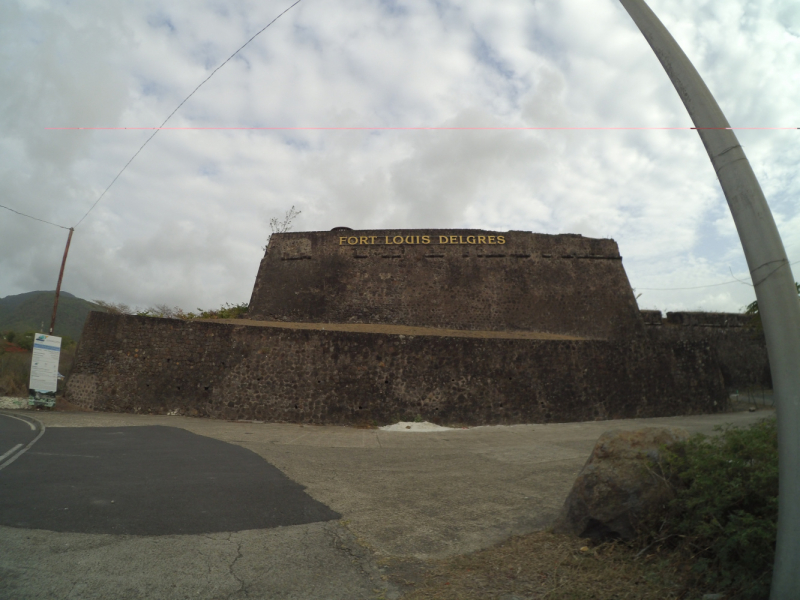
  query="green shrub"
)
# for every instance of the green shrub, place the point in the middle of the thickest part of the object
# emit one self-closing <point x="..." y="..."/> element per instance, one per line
<point x="726" y="507"/>
<point x="228" y="311"/>
<point x="25" y="341"/>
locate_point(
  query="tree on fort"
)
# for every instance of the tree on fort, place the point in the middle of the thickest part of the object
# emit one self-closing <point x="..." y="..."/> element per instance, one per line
<point x="282" y="226"/>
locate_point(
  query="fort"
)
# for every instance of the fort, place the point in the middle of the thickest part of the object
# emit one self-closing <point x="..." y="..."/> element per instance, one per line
<point x="451" y="326"/>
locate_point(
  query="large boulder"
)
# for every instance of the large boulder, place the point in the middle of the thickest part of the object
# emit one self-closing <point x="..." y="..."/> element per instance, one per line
<point x="616" y="489"/>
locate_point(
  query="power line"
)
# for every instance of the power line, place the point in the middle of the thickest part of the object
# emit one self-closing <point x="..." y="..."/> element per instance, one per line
<point x="699" y="287"/>
<point x="34" y="218"/>
<point x="181" y="104"/>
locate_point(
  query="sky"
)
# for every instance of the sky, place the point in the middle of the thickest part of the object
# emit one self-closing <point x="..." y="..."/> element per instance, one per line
<point x="186" y="222"/>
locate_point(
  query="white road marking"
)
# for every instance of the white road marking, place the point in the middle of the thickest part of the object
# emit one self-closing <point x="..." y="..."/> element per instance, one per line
<point x="19" y="453"/>
<point x="14" y="449"/>
<point x="56" y="454"/>
<point x="28" y="423"/>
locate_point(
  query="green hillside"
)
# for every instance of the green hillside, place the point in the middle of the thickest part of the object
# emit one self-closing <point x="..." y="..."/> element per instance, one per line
<point x="29" y="311"/>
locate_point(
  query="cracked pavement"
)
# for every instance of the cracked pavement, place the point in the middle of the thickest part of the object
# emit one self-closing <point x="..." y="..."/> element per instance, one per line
<point x="402" y="497"/>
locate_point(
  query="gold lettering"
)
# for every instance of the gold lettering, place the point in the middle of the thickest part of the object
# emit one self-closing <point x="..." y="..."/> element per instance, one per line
<point x="453" y="239"/>
<point x="426" y="239"/>
<point x="352" y="241"/>
<point x="410" y="237"/>
<point x="388" y="243"/>
<point x="397" y="237"/>
<point x="442" y="239"/>
<point x="460" y="240"/>
<point x="491" y="239"/>
<point x="372" y="239"/>
<point x="481" y="239"/>
<point x="501" y="239"/>
<point x="417" y="240"/>
<point x="341" y="241"/>
<point x="362" y="240"/>
<point x="470" y="239"/>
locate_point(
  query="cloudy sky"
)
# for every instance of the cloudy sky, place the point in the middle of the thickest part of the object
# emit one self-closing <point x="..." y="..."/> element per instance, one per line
<point x="185" y="223"/>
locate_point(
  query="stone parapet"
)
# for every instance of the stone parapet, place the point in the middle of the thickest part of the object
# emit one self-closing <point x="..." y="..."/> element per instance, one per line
<point x="708" y="319"/>
<point x="221" y="370"/>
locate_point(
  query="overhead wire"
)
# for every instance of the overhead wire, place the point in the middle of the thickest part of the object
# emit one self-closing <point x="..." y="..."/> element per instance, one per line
<point x="122" y="170"/>
<point x="259" y="32"/>
<point x="699" y="287"/>
<point x="34" y="218"/>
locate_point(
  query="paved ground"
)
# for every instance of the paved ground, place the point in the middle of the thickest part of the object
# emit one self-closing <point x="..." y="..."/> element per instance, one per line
<point x="151" y="480"/>
<point x="16" y="432"/>
<point x="415" y="495"/>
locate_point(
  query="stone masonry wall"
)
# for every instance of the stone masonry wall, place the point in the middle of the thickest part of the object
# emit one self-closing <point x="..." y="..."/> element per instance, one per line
<point x="740" y="348"/>
<point x="564" y="284"/>
<point x="149" y="365"/>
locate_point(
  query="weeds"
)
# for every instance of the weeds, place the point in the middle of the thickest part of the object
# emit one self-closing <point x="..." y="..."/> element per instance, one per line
<point x="227" y="311"/>
<point x="15" y="371"/>
<point x="725" y="511"/>
<point x="718" y="535"/>
<point x="15" y="367"/>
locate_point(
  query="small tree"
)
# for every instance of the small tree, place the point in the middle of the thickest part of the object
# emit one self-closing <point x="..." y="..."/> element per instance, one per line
<point x="752" y="309"/>
<point x="277" y="226"/>
<point x="26" y="341"/>
<point x="114" y="308"/>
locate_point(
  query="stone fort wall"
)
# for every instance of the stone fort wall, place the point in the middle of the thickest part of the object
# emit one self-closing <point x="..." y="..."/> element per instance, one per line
<point x="487" y="286"/>
<point x="149" y="365"/>
<point x="459" y="279"/>
<point x="741" y="348"/>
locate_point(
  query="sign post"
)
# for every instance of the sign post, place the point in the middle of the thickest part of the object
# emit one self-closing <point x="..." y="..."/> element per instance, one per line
<point x="44" y="366"/>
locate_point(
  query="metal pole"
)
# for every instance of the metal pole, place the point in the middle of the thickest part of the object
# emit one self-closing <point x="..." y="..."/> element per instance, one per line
<point x="771" y="274"/>
<point x="60" y="277"/>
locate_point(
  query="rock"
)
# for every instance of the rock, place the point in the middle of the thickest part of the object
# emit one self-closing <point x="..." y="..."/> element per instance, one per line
<point x="615" y="489"/>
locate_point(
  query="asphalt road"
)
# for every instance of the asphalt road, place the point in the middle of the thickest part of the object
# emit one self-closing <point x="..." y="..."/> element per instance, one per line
<point x="272" y="495"/>
<point x="151" y="480"/>
<point x="16" y="432"/>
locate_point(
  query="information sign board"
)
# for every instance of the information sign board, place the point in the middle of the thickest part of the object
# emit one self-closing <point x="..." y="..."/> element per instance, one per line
<point x="44" y="363"/>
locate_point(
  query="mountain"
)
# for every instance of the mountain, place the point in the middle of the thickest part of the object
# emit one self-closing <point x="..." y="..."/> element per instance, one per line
<point x="32" y="312"/>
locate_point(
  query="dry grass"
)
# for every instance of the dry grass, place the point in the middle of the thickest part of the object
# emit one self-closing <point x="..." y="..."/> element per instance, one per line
<point x="545" y="565"/>
<point x="15" y="369"/>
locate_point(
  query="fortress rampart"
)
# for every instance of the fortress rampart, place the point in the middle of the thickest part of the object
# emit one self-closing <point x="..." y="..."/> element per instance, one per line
<point x="565" y="284"/>
<point x="741" y="348"/>
<point x="278" y="373"/>
<point x="456" y="327"/>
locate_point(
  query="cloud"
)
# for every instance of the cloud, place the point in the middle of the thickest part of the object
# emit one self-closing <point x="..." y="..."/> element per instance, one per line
<point x="185" y="223"/>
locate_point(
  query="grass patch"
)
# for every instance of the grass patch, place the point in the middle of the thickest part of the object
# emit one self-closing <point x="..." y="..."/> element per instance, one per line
<point x="716" y="536"/>
<point x="15" y="369"/>
<point x="547" y="565"/>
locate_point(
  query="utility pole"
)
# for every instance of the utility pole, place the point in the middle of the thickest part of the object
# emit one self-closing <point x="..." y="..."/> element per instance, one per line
<point x="60" y="277"/>
<point x="771" y="274"/>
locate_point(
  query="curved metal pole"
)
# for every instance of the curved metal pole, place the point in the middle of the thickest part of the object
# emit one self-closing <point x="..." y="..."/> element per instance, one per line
<point x="769" y="269"/>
